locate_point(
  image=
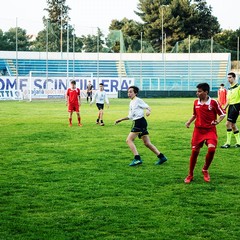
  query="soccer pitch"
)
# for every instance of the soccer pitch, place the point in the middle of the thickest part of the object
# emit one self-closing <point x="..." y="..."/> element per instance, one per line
<point x="59" y="183"/>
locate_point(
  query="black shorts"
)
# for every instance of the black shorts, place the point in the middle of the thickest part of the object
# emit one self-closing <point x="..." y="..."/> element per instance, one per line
<point x="140" y="126"/>
<point x="233" y="112"/>
<point x="89" y="94"/>
<point x="100" y="106"/>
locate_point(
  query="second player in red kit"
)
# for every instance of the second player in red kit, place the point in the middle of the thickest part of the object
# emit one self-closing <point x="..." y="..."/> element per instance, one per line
<point x="73" y="101"/>
<point x="205" y="111"/>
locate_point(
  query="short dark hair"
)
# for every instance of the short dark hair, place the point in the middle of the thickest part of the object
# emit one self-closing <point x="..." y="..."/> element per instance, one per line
<point x="222" y="85"/>
<point x="204" y="86"/>
<point x="73" y="82"/>
<point x="232" y="74"/>
<point x="100" y="84"/>
<point x="135" y="89"/>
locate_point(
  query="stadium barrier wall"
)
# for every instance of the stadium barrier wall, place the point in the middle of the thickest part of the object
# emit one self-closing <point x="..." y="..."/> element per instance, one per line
<point x="12" y="88"/>
<point x="164" y="94"/>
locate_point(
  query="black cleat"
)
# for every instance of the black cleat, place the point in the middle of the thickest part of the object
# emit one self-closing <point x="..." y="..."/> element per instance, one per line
<point x="226" y="146"/>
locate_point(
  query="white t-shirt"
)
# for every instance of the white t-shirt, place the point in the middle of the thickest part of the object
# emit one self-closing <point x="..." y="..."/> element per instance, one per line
<point x="136" y="108"/>
<point x="100" y="97"/>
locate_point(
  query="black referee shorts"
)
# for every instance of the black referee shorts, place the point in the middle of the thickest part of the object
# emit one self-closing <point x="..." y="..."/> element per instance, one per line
<point x="233" y="112"/>
<point x="140" y="126"/>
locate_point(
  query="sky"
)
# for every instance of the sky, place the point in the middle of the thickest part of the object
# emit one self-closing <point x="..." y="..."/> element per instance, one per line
<point x="87" y="15"/>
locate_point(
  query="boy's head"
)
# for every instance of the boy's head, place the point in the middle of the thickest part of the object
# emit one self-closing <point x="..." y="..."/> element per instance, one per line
<point x="73" y="83"/>
<point x="133" y="91"/>
<point x="203" y="90"/>
<point x="221" y="85"/>
<point x="101" y="86"/>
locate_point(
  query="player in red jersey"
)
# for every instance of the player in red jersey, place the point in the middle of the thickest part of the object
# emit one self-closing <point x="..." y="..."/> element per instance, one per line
<point x="73" y="101"/>
<point x="205" y="111"/>
<point x="222" y="95"/>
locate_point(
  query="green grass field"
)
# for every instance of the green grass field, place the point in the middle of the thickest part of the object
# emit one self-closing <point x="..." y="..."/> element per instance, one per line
<point x="60" y="183"/>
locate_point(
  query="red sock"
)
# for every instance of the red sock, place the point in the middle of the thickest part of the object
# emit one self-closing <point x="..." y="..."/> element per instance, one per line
<point x="70" y="120"/>
<point x="209" y="157"/>
<point x="193" y="160"/>
<point x="79" y="120"/>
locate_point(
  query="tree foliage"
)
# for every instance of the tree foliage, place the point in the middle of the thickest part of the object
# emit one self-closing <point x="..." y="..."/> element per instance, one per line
<point x="8" y="40"/>
<point x="57" y="32"/>
<point x="228" y="40"/>
<point x="179" y="18"/>
<point x="93" y="43"/>
<point x="131" y="31"/>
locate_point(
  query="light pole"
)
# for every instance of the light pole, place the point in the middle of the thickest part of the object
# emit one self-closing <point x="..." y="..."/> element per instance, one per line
<point x="238" y="55"/>
<point x="162" y="26"/>
<point x="162" y="6"/>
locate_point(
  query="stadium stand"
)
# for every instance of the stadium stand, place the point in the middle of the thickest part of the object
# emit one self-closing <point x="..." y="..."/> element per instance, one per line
<point x="151" y="71"/>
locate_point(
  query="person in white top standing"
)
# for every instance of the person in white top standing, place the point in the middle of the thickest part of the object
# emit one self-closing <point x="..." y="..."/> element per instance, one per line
<point x="136" y="113"/>
<point x="100" y="97"/>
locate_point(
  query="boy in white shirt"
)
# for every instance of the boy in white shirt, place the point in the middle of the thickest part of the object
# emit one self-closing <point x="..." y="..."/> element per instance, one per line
<point x="100" y="96"/>
<point x="136" y="113"/>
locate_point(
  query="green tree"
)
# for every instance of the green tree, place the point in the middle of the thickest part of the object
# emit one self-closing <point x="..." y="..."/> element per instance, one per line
<point x="56" y="29"/>
<point x="180" y="18"/>
<point x="93" y="43"/>
<point x="228" y="39"/>
<point x="131" y="31"/>
<point x="2" y="43"/>
<point x="9" y="40"/>
<point x="205" y="25"/>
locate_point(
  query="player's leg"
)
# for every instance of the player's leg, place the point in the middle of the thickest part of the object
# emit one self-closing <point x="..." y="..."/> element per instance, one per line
<point x="192" y="164"/>
<point x="88" y="96"/>
<point x="130" y="142"/>
<point x="70" y="118"/>
<point x="101" y="115"/>
<point x="234" y="126"/>
<point x="79" y="119"/>
<point x="208" y="160"/>
<point x="70" y="112"/>
<point x="148" y="144"/>
<point x="98" y="117"/>
<point x="209" y="156"/>
<point x="233" y="113"/>
<point x="197" y="143"/>
<point x="99" y="108"/>
<point x="211" y="143"/>
<point x="229" y="135"/>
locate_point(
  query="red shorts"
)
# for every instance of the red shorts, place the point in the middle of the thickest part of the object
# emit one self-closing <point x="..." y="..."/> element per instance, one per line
<point x="203" y="135"/>
<point x="73" y="107"/>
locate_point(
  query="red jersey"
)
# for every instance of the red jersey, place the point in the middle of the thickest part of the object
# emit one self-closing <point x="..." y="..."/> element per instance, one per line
<point x="222" y="96"/>
<point x="73" y="96"/>
<point x="207" y="112"/>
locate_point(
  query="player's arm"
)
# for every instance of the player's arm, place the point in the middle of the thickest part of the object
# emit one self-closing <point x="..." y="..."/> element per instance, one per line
<point x="66" y="98"/>
<point x="94" y="98"/>
<point x="106" y="99"/>
<point x="148" y="111"/>
<point x="226" y="105"/>
<point x="216" y="122"/>
<point x="188" y="123"/>
<point x="121" y="119"/>
<point x="144" y="105"/>
<point x="79" y="99"/>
